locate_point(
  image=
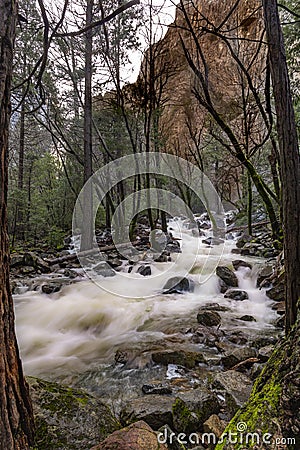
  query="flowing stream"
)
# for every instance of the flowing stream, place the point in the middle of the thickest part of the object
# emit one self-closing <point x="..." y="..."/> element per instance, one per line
<point x="73" y="335"/>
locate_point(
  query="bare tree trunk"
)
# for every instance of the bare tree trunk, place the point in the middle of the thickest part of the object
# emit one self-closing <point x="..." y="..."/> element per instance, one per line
<point x="87" y="232"/>
<point x="289" y="159"/>
<point x="16" y="417"/>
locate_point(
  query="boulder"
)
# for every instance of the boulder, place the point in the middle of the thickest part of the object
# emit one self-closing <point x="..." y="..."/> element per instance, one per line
<point x="155" y="410"/>
<point x="244" y="239"/>
<point x="51" y="288"/>
<point x="181" y="358"/>
<point x="236" y="295"/>
<point x="263" y="274"/>
<point x="239" y="354"/>
<point x="67" y="418"/>
<point x="208" y="318"/>
<point x="237" y="263"/>
<point x="235" y="386"/>
<point x="192" y="408"/>
<point x="264" y="353"/>
<point x="227" y="275"/>
<point x="214" y="425"/>
<point x="247" y="318"/>
<point x="276" y="293"/>
<point x="166" y="435"/>
<point x="178" y="285"/>
<point x="213" y="241"/>
<point x="144" y="270"/>
<point x="137" y="436"/>
<point x="104" y="270"/>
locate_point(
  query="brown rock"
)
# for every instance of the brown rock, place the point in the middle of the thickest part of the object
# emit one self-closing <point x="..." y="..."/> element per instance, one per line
<point x="138" y="436"/>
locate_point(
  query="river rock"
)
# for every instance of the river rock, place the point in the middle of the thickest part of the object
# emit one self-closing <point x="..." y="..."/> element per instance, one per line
<point x="51" y="288"/>
<point x="214" y="425"/>
<point x="244" y="239"/>
<point x="67" y="418"/>
<point x="192" y="408"/>
<point x="155" y="410"/>
<point x="206" y="336"/>
<point x="156" y="388"/>
<point x="227" y="275"/>
<point x="137" y="436"/>
<point x="178" y="285"/>
<point x="235" y="386"/>
<point x="276" y="293"/>
<point x="247" y="318"/>
<point x="213" y="241"/>
<point x="263" y="274"/>
<point x="239" y="354"/>
<point x="208" y="318"/>
<point x="181" y="358"/>
<point x="237" y="263"/>
<point x="144" y="270"/>
<point x="236" y="295"/>
<point x="104" y="270"/>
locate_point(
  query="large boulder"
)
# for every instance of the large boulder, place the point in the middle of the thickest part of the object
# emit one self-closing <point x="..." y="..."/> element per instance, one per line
<point x="227" y="275"/>
<point x="155" y="410"/>
<point x="68" y="419"/>
<point x="137" y="436"/>
<point x="192" y="408"/>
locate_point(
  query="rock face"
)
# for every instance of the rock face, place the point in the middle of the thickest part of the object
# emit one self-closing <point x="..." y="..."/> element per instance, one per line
<point x="138" y="436"/>
<point x="181" y="111"/>
<point x="68" y="419"/>
<point x="274" y="403"/>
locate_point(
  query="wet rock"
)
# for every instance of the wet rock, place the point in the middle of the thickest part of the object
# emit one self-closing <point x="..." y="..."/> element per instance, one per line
<point x="181" y="358"/>
<point x="264" y="341"/>
<point x="51" y="288"/>
<point x="235" y="386"/>
<point x="144" y="270"/>
<point x="276" y="293"/>
<point x="237" y="263"/>
<point x="137" y="436"/>
<point x="243" y="240"/>
<point x="227" y="275"/>
<point x="214" y="425"/>
<point x="104" y="270"/>
<point x="206" y="336"/>
<point x="247" y="318"/>
<point x="114" y="262"/>
<point x="178" y="285"/>
<point x="263" y="274"/>
<point x="237" y="355"/>
<point x="223" y="286"/>
<point x="208" y="318"/>
<point x="214" y="307"/>
<point x="236" y="295"/>
<point x="158" y="388"/>
<point x="264" y="353"/>
<point x="279" y="307"/>
<point x="68" y="418"/>
<point x="237" y="337"/>
<point x="155" y="410"/>
<point x="192" y="408"/>
<point x="162" y="258"/>
<point x="213" y="241"/>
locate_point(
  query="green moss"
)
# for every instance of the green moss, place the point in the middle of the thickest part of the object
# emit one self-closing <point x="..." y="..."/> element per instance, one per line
<point x="184" y="419"/>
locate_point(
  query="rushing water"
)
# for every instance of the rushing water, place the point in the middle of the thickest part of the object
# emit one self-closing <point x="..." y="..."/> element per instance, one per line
<point x="83" y="326"/>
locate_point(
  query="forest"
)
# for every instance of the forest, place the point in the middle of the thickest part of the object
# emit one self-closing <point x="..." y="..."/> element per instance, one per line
<point x="149" y="224"/>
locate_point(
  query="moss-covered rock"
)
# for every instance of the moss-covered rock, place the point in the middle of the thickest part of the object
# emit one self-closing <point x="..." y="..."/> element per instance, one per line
<point x="273" y="409"/>
<point x="68" y="419"/>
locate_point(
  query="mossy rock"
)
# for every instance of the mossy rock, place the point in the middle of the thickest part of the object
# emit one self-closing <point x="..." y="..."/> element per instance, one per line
<point x="67" y="418"/>
<point x="274" y="404"/>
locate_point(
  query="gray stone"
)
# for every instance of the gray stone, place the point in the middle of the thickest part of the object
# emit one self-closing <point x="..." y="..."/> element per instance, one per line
<point x="180" y="357"/>
<point x="235" y="386"/>
<point x="178" y="285"/>
<point x="227" y="275"/>
<point x="236" y="295"/>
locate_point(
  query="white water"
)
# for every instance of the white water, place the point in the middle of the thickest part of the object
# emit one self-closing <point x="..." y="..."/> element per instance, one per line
<point x="84" y="325"/>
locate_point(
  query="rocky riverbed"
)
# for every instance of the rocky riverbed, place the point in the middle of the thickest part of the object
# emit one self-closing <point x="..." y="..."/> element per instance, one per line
<point x="183" y="357"/>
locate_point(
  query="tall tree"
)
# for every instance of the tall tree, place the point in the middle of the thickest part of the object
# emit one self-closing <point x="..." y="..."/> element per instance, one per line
<point x="16" y="416"/>
<point x="289" y="158"/>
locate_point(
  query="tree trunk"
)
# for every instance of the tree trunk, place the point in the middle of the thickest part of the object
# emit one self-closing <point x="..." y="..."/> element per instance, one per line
<point x="16" y="417"/>
<point x="289" y="159"/>
<point x="87" y="231"/>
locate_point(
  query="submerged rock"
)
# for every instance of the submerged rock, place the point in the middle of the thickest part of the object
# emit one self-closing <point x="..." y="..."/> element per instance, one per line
<point x="137" y="436"/>
<point x="68" y="419"/>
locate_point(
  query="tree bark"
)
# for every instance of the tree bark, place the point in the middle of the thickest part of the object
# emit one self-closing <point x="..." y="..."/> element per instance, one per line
<point x="289" y="159"/>
<point x="16" y="416"/>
